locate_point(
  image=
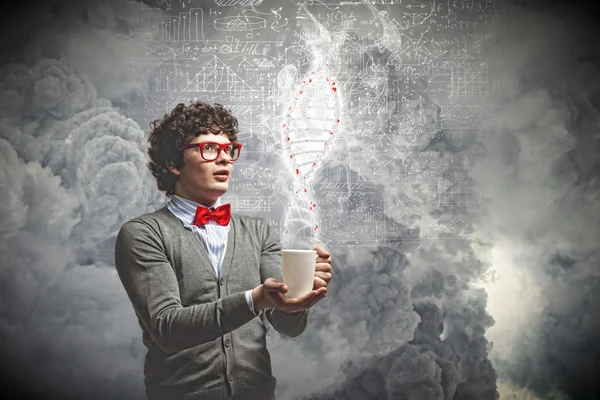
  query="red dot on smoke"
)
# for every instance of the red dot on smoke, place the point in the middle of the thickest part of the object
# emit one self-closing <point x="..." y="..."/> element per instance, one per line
<point x="334" y="89"/>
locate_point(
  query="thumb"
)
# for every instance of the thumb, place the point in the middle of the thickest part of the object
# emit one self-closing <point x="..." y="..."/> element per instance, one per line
<point x="273" y="285"/>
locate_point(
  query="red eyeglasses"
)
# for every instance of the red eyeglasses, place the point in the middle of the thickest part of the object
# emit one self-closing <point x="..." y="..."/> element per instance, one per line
<point x="210" y="151"/>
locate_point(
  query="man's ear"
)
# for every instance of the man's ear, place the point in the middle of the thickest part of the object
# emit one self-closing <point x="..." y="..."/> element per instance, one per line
<point x="173" y="170"/>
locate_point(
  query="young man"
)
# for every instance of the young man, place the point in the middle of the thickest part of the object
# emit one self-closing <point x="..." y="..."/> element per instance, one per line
<point x="201" y="280"/>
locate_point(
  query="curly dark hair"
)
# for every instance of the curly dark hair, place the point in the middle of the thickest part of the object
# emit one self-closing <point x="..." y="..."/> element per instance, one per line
<point x="180" y="127"/>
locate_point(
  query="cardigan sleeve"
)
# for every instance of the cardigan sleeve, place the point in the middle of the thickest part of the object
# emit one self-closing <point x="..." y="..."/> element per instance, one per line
<point x="152" y="287"/>
<point x="288" y="324"/>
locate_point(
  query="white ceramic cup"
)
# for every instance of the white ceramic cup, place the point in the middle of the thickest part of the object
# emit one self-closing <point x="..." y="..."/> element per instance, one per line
<point x="299" y="271"/>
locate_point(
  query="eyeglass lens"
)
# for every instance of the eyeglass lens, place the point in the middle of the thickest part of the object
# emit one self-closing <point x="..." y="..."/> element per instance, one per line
<point x="210" y="151"/>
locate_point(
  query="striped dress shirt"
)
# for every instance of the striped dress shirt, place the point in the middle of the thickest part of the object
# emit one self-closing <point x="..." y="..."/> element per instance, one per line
<point x="212" y="235"/>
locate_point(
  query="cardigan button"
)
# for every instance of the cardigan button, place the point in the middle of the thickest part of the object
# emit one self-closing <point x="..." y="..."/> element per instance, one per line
<point x="227" y="342"/>
<point x="221" y="281"/>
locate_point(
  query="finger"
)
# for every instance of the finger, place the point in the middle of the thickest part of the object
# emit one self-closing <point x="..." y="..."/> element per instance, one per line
<point x="319" y="283"/>
<point x="320" y="249"/>
<point x="286" y="303"/>
<point x="275" y="286"/>
<point x="324" y="260"/>
<point x="304" y="301"/>
<point x="308" y="301"/>
<point x="323" y="267"/>
<point x="311" y="301"/>
<point x="316" y="300"/>
<point x="272" y="282"/>
<point x="306" y="298"/>
<point x="326" y="278"/>
<point x="291" y="305"/>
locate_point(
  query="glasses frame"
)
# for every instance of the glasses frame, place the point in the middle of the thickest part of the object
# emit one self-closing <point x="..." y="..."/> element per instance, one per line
<point x="222" y="146"/>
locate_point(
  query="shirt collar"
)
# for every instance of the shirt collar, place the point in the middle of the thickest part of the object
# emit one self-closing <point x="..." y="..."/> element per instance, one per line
<point x="185" y="209"/>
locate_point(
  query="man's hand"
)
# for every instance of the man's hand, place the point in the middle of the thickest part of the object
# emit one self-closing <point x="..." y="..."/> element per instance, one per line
<point x="271" y="294"/>
<point x="323" y="271"/>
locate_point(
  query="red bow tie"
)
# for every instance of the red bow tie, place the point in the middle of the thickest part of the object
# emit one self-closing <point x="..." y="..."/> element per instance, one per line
<point x="221" y="215"/>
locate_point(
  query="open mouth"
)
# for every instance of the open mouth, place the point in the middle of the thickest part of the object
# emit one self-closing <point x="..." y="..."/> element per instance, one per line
<point x="221" y="176"/>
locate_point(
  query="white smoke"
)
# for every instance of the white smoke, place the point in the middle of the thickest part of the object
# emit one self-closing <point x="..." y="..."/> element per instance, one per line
<point x="401" y="319"/>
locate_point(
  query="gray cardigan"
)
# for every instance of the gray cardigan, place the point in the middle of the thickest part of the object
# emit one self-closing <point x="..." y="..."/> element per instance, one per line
<point x="204" y="342"/>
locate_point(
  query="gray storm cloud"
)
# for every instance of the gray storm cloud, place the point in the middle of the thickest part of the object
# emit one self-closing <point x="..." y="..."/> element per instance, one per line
<point x="52" y="307"/>
<point x="542" y="210"/>
<point x="14" y="212"/>
<point x="72" y="169"/>
<point x="58" y="90"/>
